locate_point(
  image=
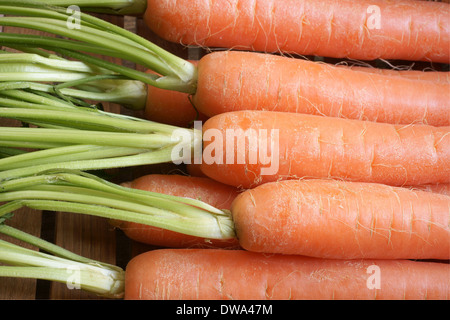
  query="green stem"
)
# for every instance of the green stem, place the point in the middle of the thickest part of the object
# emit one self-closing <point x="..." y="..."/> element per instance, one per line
<point x="69" y="136"/>
<point x="98" y="119"/>
<point x="7" y="59"/>
<point x="163" y="155"/>
<point x="15" y="103"/>
<point x="92" y="182"/>
<point x="65" y="154"/>
<point x="38" y="75"/>
<point x="8" y="152"/>
<point x="122" y="7"/>
<point x="181" y="75"/>
<point x="160" y="213"/>
<point x="118" y="40"/>
<point x="29" y="99"/>
<point x="29" y="42"/>
<point x="89" y="35"/>
<point x="29" y="144"/>
<point x="128" y="93"/>
<point x="71" y="192"/>
<point x="110" y="285"/>
<point x="65" y="267"/>
<point x="87" y="139"/>
<point x="47" y="246"/>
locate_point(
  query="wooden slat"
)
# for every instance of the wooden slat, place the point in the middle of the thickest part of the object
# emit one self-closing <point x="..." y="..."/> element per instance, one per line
<point x="29" y="221"/>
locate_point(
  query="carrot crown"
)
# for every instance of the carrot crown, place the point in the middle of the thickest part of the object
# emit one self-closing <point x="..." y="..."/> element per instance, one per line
<point x="58" y="265"/>
<point x="83" y="193"/>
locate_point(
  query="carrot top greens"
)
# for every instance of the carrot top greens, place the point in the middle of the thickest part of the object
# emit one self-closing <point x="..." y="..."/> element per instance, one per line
<point x="80" y="192"/>
<point x="95" y="36"/>
<point x="72" y="134"/>
<point x="120" y="7"/>
<point x="54" y="263"/>
<point x="75" y="79"/>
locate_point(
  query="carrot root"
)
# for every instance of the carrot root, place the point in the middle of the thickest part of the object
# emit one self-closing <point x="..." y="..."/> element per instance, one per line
<point x="249" y="148"/>
<point x="189" y="274"/>
<point x="343" y="220"/>
<point x="202" y="188"/>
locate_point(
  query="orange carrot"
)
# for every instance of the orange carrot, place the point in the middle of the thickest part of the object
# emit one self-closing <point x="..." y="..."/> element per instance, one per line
<point x="231" y="81"/>
<point x="195" y="274"/>
<point x="443" y="188"/>
<point x="363" y="30"/>
<point x="195" y="170"/>
<point x="435" y="76"/>
<point x="343" y="220"/>
<point x="308" y="146"/>
<point x="170" y="107"/>
<point x="204" y="189"/>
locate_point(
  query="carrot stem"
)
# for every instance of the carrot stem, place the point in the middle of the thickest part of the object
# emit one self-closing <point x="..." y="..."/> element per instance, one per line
<point x="177" y="73"/>
<point x="58" y="265"/>
<point x="65" y="154"/>
<point x="74" y="191"/>
<point x="75" y="79"/>
<point x="83" y="138"/>
<point x="119" y="7"/>
<point x="144" y="158"/>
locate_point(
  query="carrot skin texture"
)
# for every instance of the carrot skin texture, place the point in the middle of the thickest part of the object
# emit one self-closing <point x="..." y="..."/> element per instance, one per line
<point x="212" y="192"/>
<point x="323" y="147"/>
<point x="343" y="220"/>
<point x="421" y="75"/>
<point x="234" y="80"/>
<point x="195" y="170"/>
<point x="196" y="274"/>
<point x="170" y="107"/>
<point x="407" y="30"/>
<point x="436" y="188"/>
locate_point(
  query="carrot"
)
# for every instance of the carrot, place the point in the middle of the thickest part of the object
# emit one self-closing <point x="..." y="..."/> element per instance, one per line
<point x="443" y="188"/>
<point x="343" y="220"/>
<point x="170" y="107"/>
<point x="231" y="81"/>
<point x="319" y="218"/>
<point x="195" y="274"/>
<point x="226" y="274"/>
<point x="308" y="146"/>
<point x="363" y="30"/>
<point x="204" y="189"/>
<point x="195" y="170"/>
<point x="435" y="76"/>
